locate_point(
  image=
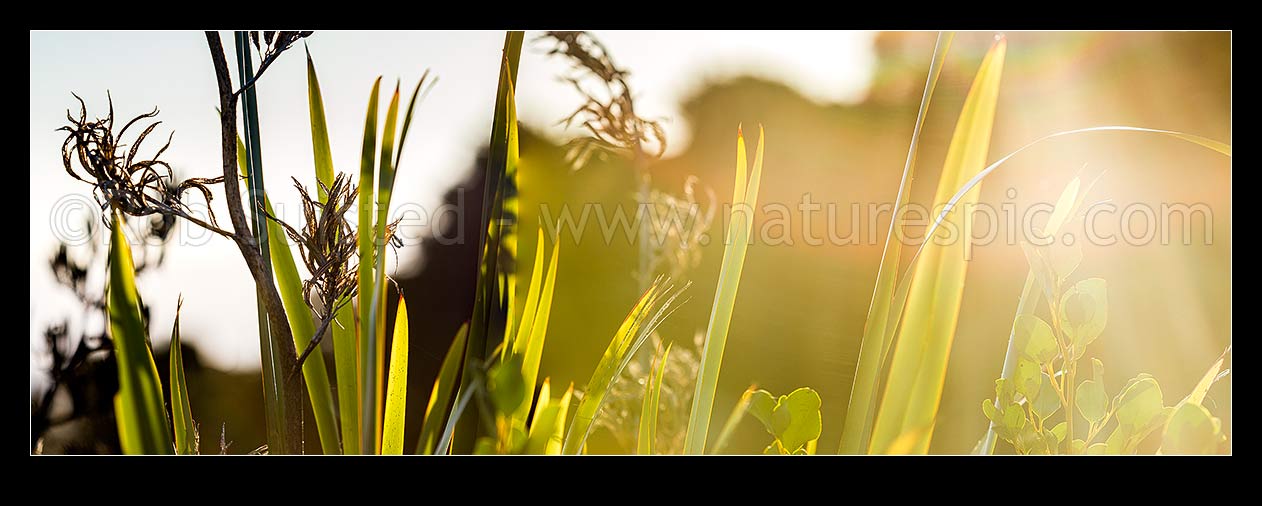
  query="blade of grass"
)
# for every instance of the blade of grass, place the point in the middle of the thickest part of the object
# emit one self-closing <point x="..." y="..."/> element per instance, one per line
<point x="385" y="190"/>
<point x="320" y="150"/>
<point x="366" y="324"/>
<point x="544" y="397"/>
<point x="417" y="96"/>
<point x="498" y="172"/>
<point x="518" y="344"/>
<point x="379" y="360"/>
<point x="587" y="406"/>
<point x="543" y="403"/>
<point x="1031" y="294"/>
<point x="396" y="398"/>
<point x="143" y="425"/>
<point x="345" y="352"/>
<point x="289" y="284"/>
<point x="858" y="422"/>
<point x="181" y="411"/>
<point x="282" y="401"/>
<point x="733" y="419"/>
<point x="1197" y="395"/>
<point x="506" y="275"/>
<point x="742" y="221"/>
<point x="440" y="395"/>
<point x="632" y="333"/>
<point x="922" y="345"/>
<point x="603" y="375"/>
<point x="385" y="185"/>
<point x="548" y="424"/>
<point x="462" y="402"/>
<point x="532" y="348"/>
<point x="506" y="226"/>
<point x="345" y="361"/>
<point x="557" y="437"/>
<point x="648" y="411"/>
<point x="489" y="304"/>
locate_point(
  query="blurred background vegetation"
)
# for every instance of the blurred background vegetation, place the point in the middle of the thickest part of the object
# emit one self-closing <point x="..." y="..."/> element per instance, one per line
<point x="800" y="310"/>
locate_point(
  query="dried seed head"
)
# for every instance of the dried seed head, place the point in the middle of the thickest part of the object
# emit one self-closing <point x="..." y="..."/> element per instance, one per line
<point x="620" y="415"/>
<point x="137" y="187"/>
<point x="609" y="116"/>
<point x="679" y="225"/>
<point x="326" y="243"/>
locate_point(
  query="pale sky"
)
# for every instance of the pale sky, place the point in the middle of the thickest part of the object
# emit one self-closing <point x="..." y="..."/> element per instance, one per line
<point x="172" y="70"/>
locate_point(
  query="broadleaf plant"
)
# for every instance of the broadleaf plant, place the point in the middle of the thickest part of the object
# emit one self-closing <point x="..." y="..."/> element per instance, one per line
<point x="1042" y="407"/>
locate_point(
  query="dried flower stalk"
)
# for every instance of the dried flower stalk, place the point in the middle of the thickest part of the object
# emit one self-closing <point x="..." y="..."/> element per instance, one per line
<point x="136" y="187"/>
<point x="608" y="115"/>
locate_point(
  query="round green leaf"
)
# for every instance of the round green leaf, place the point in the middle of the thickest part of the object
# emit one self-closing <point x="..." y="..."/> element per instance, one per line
<point x="1191" y="431"/>
<point x="1004" y="392"/>
<point x="1048" y="442"/>
<point x="1059" y="431"/>
<point x="1091" y="400"/>
<point x="1030" y="441"/>
<point x="1034" y="339"/>
<point x="1138" y="377"/>
<point x="761" y="405"/>
<point x="1139" y="404"/>
<point x="1013" y="418"/>
<point x="797" y="418"/>
<point x="1119" y="440"/>
<point x="1084" y="311"/>
<point x="1027" y="378"/>
<point x="1046" y="403"/>
<point x="780" y="419"/>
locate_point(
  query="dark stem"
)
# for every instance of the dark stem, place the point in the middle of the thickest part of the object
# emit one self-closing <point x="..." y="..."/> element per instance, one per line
<point x="267" y="61"/>
<point x="289" y="436"/>
<point x="317" y="338"/>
